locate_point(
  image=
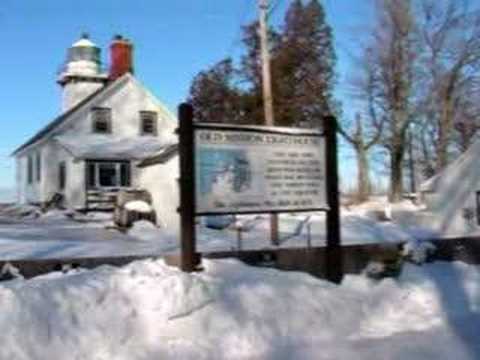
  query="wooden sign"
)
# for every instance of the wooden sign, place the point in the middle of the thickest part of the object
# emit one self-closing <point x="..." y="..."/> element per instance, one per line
<point x="247" y="169"/>
<point x="226" y="169"/>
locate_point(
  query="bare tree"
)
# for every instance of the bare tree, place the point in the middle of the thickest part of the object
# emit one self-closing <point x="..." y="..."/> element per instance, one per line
<point x="450" y="64"/>
<point x="392" y="56"/>
<point x="361" y="141"/>
<point x="467" y="117"/>
<point x="366" y="130"/>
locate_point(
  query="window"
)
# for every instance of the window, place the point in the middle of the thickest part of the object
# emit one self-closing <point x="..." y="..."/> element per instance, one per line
<point x="108" y="174"/>
<point x="102" y="120"/>
<point x="30" y="169"/>
<point x="39" y="166"/>
<point x="62" y="175"/>
<point x="148" y="123"/>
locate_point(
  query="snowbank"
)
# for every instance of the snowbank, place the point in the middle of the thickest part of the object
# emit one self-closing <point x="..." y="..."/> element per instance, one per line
<point x="56" y="214"/>
<point x="380" y="205"/>
<point x="139" y="206"/>
<point x="148" y="310"/>
<point x="19" y="211"/>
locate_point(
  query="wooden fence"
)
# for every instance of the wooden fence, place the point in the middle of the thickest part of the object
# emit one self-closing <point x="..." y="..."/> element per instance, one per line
<point x="310" y="260"/>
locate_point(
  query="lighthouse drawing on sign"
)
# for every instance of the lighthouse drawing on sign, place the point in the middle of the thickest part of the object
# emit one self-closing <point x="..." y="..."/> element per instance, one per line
<point x="224" y="174"/>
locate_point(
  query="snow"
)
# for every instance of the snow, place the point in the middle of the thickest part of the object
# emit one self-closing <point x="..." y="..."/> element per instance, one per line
<point x="139" y="206"/>
<point x="146" y="231"/>
<point x="56" y="234"/>
<point x="381" y="204"/>
<point x="84" y="42"/>
<point x="418" y="251"/>
<point x="18" y="211"/>
<point x="147" y="310"/>
<point x="90" y="146"/>
<point x="9" y="271"/>
<point x="26" y="232"/>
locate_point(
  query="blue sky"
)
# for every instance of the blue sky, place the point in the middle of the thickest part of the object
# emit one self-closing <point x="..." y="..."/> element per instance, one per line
<point x="174" y="40"/>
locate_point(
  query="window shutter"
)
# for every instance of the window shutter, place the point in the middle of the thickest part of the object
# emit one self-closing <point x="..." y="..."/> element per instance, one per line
<point x="39" y="166"/>
<point x="91" y="175"/>
<point x="125" y="174"/>
<point x="30" y="169"/>
<point x="62" y="175"/>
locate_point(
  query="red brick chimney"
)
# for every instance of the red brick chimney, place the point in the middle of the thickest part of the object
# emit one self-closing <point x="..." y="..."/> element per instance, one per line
<point x="121" y="57"/>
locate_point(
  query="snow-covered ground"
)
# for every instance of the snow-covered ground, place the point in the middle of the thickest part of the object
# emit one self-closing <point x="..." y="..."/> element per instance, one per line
<point x="147" y="310"/>
<point x="57" y="234"/>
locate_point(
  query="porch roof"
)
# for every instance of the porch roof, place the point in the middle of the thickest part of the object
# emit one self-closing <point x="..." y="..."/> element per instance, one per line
<point x="160" y="157"/>
<point x="106" y="147"/>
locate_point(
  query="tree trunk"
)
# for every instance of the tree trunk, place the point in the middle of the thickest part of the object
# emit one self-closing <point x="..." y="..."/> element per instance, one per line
<point x="396" y="176"/>
<point x="363" y="178"/>
<point x="411" y="164"/>
<point x="445" y="132"/>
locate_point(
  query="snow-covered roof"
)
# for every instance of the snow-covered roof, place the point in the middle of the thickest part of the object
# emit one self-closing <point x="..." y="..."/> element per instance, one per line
<point x="105" y="147"/>
<point x="430" y="184"/>
<point x="59" y="120"/>
<point x="161" y="156"/>
<point x="51" y="129"/>
<point x="84" y="42"/>
<point x="465" y="160"/>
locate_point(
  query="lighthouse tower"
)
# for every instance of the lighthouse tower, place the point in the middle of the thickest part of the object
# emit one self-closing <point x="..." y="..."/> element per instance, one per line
<point x="81" y="74"/>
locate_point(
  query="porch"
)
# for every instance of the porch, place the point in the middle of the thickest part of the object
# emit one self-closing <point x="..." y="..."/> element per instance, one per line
<point x="104" y="180"/>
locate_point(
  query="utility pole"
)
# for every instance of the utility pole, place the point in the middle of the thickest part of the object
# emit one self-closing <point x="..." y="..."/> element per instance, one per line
<point x="266" y="74"/>
<point x="267" y="93"/>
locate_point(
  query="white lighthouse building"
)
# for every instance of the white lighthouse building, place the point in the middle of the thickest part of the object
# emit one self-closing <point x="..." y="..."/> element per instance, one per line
<point x="82" y="73"/>
<point x="109" y="123"/>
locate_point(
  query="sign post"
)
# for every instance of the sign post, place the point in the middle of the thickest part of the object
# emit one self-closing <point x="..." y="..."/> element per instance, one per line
<point x="232" y="169"/>
<point x="189" y="258"/>
<point x="334" y="265"/>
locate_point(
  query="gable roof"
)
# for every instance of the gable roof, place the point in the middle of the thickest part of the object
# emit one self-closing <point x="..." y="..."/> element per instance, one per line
<point x="432" y="183"/>
<point x="466" y="159"/>
<point x="59" y="120"/>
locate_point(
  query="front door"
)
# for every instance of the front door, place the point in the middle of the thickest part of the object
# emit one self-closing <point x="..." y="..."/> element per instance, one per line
<point x="103" y="174"/>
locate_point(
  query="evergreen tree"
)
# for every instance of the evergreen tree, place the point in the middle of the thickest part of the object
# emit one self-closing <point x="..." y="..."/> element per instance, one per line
<point x="303" y="76"/>
<point x="214" y="97"/>
<point x="305" y="64"/>
<point x="286" y="62"/>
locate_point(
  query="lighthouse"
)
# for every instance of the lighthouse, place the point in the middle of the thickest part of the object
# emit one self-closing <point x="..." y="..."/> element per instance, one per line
<point x="92" y="150"/>
<point x="82" y="74"/>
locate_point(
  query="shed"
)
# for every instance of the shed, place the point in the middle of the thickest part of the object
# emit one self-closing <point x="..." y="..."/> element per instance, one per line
<point x="453" y="195"/>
